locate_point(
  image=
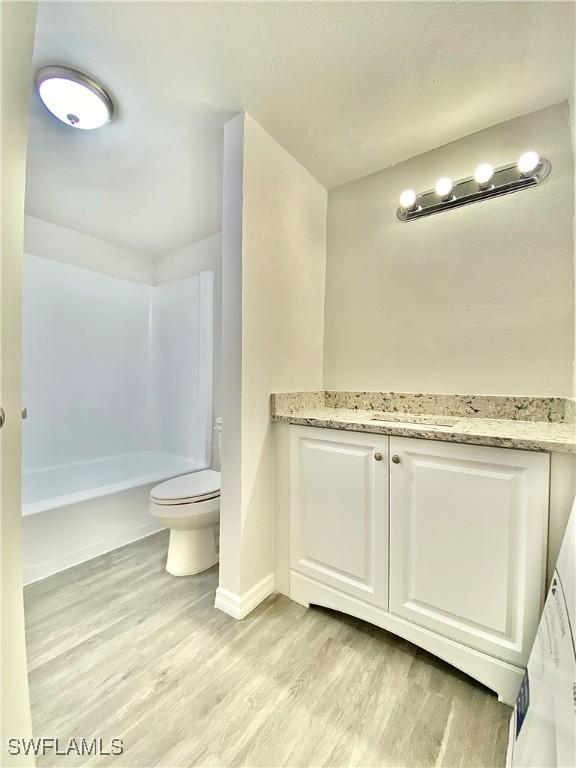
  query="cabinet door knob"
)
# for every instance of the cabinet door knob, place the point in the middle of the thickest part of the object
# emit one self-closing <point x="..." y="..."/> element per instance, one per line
<point x="395" y="459"/>
<point x="377" y="457"/>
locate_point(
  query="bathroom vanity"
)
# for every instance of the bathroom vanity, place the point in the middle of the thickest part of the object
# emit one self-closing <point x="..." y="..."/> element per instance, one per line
<point x="441" y="542"/>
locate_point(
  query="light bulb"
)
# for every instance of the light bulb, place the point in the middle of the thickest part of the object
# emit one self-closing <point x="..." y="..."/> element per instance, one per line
<point x="483" y="175"/>
<point x="408" y="199"/>
<point x="528" y="163"/>
<point x="444" y="187"/>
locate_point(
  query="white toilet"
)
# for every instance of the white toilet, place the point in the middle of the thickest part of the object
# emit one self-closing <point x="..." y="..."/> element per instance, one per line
<point x="190" y="506"/>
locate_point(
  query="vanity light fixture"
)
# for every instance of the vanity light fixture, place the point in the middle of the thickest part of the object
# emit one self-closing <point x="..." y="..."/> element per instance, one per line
<point x="529" y="171"/>
<point x="73" y="97"/>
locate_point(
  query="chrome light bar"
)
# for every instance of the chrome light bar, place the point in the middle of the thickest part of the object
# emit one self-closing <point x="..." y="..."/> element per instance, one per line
<point x="505" y="180"/>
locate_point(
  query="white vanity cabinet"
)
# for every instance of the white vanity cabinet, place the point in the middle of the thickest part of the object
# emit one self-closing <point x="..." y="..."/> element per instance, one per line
<point x="442" y="543"/>
<point x="468" y="529"/>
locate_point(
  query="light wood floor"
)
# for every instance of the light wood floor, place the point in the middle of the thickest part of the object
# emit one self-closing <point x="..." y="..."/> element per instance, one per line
<point x="118" y="648"/>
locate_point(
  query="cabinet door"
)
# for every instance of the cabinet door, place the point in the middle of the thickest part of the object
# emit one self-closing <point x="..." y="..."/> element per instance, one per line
<point x="468" y="531"/>
<point x="339" y="510"/>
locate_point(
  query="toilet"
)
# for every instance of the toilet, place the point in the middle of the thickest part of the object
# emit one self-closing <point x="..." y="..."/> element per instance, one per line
<point x="190" y="506"/>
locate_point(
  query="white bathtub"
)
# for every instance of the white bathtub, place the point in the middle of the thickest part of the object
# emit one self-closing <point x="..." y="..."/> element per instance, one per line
<point x="78" y="511"/>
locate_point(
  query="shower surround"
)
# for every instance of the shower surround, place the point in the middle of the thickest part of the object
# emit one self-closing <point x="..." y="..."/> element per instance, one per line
<point x="118" y="387"/>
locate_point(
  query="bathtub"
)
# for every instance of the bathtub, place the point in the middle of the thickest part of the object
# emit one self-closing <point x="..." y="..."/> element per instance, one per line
<point x="74" y="512"/>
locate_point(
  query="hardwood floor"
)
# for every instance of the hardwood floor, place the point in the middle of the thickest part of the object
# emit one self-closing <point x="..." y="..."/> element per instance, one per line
<point x="119" y="648"/>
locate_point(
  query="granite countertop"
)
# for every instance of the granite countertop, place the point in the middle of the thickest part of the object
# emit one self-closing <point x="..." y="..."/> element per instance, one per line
<point x="558" y="436"/>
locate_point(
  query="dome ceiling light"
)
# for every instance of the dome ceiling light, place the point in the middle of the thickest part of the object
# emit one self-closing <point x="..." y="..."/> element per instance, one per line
<point x="74" y="98"/>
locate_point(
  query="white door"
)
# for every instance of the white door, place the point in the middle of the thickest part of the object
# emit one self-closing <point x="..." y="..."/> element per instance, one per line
<point x="468" y="532"/>
<point x="339" y="510"/>
<point x="17" y="21"/>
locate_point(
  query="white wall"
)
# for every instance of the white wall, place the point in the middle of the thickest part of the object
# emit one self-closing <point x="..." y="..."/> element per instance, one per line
<point x="282" y="290"/>
<point x="52" y="241"/>
<point x="85" y="364"/>
<point x="474" y="300"/>
<point x="114" y="367"/>
<point x="181" y="371"/>
<point x="572" y="110"/>
<point x="231" y="458"/>
<point x="58" y="243"/>
<point x="283" y="272"/>
<point x="204" y="255"/>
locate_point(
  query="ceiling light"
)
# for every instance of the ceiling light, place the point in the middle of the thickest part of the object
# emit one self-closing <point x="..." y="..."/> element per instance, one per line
<point x="443" y="188"/>
<point x="408" y="199"/>
<point x="74" y="98"/>
<point x="528" y="163"/>
<point x="483" y="175"/>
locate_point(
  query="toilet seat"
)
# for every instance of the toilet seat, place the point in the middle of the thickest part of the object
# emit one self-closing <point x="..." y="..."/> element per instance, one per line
<point x="183" y="502"/>
<point x="190" y="516"/>
<point x="188" y="489"/>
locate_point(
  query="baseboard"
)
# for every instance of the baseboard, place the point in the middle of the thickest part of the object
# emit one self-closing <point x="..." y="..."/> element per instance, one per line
<point x="40" y="571"/>
<point x="239" y="606"/>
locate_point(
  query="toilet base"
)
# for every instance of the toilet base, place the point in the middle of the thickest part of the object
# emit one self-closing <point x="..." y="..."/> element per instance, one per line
<point x="191" y="551"/>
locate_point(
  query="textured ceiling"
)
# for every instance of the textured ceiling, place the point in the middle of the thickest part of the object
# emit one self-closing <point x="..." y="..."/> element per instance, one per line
<point x="347" y="88"/>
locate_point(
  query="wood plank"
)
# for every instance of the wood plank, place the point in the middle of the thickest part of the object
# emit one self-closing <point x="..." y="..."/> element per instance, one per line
<point x="119" y="648"/>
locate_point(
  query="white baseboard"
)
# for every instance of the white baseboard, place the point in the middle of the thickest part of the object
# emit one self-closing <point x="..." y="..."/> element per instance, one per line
<point x="239" y="606"/>
<point x="40" y="571"/>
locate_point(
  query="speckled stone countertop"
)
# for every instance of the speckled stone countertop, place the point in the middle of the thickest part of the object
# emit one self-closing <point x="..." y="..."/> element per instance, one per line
<point x="536" y="424"/>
